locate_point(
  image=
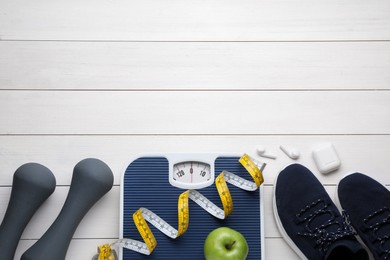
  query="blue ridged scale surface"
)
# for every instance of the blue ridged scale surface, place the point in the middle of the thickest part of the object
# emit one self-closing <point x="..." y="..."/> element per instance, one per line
<point x="146" y="185"/>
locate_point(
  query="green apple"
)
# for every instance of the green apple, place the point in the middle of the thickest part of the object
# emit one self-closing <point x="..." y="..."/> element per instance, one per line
<point x="225" y="244"/>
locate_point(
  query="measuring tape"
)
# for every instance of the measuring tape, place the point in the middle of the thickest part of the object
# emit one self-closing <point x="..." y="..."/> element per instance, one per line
<point x="143" y="216"/>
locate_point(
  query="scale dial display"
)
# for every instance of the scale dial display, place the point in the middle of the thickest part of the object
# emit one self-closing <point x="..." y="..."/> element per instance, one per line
<point x="191" y="171"/>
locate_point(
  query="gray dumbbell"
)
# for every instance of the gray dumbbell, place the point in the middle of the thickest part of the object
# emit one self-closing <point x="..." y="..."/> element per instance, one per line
<point x="32" y="185"/>
<point x="91" y="179"/>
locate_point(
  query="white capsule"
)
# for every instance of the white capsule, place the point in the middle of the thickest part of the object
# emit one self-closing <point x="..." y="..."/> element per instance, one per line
<point x="290" y="152"/>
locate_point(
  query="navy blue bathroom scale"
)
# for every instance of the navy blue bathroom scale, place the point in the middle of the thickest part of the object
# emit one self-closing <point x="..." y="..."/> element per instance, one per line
<point x="155" y="183"/>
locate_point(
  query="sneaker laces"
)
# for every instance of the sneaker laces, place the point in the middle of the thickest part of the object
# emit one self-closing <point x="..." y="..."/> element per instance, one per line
<point x="323" y="224"/>
<point x="379" y="220"/>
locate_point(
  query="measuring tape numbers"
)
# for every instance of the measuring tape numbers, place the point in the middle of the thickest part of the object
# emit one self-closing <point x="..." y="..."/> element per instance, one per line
<point x="143" y="216"/>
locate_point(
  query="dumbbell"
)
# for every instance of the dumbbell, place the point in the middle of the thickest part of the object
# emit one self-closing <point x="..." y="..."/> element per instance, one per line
<point x="91" y="179"/>
<point x="32" y="185"/>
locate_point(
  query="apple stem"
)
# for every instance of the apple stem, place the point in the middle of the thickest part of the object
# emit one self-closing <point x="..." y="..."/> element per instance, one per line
<point x="229" y="246"/>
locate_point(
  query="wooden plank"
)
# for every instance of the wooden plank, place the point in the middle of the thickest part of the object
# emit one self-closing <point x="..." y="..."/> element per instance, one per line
<point x="195" y="20"/>
<point x="200" y="65"/>
<point x="277" y="248"/>
<point x="62" y="153"/>
<point x="194" y="112"/>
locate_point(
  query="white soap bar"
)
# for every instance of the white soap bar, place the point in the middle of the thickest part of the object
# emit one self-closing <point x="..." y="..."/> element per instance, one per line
<point x="326" y="159"/>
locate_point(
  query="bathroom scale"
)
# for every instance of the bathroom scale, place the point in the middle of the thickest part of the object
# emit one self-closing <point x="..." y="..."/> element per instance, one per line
<point x="157" y="183"/>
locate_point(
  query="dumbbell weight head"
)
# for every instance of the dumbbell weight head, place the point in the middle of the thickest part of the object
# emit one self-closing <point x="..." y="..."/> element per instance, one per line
<point x="91" y="180"/>
<point x="32" y="185"/>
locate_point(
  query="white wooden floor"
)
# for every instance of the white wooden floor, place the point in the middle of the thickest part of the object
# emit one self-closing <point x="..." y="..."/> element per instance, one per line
<point x="115" y="79"/>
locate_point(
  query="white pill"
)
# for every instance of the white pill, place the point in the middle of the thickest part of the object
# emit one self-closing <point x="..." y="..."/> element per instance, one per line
<point x="290" y="152"/>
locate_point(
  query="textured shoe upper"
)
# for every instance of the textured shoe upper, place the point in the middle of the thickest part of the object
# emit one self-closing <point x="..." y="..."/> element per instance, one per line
<point x="367" y="203"/>
<point x="322" y="223"/>
<point x="310" y="218"/>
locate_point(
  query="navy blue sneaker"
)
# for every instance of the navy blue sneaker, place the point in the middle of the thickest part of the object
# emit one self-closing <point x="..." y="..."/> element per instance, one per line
<point x="367" y="203"/>
<point x="308" y="219"/>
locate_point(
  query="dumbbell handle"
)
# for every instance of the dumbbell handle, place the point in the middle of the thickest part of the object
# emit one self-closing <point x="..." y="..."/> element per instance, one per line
<point x="91" y="179"/>
<point x="32" y="185"/>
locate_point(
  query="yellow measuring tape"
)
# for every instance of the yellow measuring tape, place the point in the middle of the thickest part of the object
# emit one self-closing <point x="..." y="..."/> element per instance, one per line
<point x="143" y="216"/>
<point x="105" y="252"/>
